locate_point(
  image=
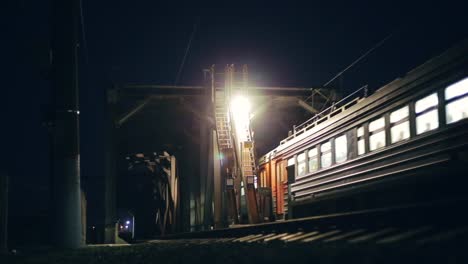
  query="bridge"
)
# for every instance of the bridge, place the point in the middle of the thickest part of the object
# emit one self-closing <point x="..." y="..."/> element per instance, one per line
<point x="222" y="107"/>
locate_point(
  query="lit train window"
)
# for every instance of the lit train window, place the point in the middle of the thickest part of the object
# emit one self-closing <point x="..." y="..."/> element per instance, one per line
<point x="456" y="96"/>
<point x="301" y="164"/>
<point x="377" y="134"/>
<point x="341" y="149"/>
<point x="361" y="142"/>
<point x="326" y="154"/>
<point x="290" y="161"/>
<point x="360" y="132"/>
<point x="399" y="124"/>
<point x="427" y="117"/>
<point x="279" y="171"/>
<point x="399" y="114"/>
<point x="376" y="124"/>
<point x="263" y="179"/>
<point x="426" y="103"/>
<point x="457" y="89"/>
<point x="313" y="160"/>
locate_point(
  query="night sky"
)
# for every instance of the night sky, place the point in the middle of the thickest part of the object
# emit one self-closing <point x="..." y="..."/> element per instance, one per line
<point x="144" y="42"/>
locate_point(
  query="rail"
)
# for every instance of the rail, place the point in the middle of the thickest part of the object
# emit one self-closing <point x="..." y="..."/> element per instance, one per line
<point x="436" y="213"/>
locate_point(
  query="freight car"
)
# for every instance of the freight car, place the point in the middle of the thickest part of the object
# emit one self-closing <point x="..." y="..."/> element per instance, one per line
<point x="407" y="143"/>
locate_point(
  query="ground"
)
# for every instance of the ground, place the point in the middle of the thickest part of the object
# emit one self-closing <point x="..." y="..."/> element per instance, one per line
<point x="228" y="252"/>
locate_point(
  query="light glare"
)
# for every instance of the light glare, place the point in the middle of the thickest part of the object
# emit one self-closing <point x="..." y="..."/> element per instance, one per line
<point x="240" y="109"/>
<point x="240" y="104"/>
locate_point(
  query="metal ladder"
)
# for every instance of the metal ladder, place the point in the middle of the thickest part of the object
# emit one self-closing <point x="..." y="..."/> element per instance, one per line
<point x="226" y="148"/>
<point x="223" y="126"/>
<point x="249" y="175"/>
<point x="248" y="156"/>
<point x="239" y="149"/>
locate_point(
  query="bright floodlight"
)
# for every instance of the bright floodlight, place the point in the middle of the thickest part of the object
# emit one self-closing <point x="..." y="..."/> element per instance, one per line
<point x="128" y="222"/>
<point x="240" y="108"/>
<point x="240" y="104"/>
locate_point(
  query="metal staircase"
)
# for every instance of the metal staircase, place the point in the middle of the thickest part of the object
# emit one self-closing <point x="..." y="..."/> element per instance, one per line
<point x="227" y="150"/>
<point x="236" y="143"/>
<point x="223" y="127"/>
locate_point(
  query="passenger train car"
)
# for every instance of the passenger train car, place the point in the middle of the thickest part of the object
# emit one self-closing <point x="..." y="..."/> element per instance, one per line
<point x="407" y="143"/>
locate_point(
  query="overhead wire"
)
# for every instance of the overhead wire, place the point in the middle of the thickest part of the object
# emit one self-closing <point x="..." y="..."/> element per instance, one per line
<point x="380" y="43"/>
<point x="83" y="34"/>
<point x="187" y="49"/>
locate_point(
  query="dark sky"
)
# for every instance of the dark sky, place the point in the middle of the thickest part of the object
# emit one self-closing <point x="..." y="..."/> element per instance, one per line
<point x="144" y="41"/>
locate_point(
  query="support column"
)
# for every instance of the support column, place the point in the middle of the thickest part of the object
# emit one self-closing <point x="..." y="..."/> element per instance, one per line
<point x="194" y="179"/>
<point x="185" y="187"/>
<point x="218" y="186"/>
<point x="202" y="171"/>
<point x="208" y="209"/>
<point x="110" y="175"/>
<point x="3" y="212"/>
<point x="66" y="169"/>
<point x="192" y="186"/>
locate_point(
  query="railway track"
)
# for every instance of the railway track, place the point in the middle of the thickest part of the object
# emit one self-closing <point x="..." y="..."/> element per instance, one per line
<point x="423" y="233"/>
<point x="419" y="224"/>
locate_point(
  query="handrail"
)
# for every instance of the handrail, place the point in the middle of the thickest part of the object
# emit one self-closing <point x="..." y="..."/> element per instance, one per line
<point x="298" y="129"/>
<point x="235" y="143"/>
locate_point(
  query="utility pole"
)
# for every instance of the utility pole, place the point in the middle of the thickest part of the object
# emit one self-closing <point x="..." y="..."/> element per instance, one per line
<point x="66" y="154"/>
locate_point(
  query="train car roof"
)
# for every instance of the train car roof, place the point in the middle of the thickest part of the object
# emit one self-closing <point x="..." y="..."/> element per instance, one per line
<point x="451" y="56"/>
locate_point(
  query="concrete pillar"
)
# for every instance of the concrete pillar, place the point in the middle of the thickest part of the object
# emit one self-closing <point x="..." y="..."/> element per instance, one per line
<point x="66" y="169"/>
<point x="194" y="183"/>
<point x="3" y="212"/>
<point x="208" y="209"/>
<point x="110" y="181"/>
<point x="203" y="170"/>
<point x="185" y="175"/>
<point x="218" y="186"/>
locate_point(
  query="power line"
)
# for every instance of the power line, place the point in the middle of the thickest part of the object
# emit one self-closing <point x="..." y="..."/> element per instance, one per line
<point x="186" y="52"/>
<point x="83" y="33"/>
<point x="380" y="43"/>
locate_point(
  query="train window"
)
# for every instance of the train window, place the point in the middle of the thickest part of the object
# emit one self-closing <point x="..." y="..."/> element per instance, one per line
<point x="360" y="132"/>
<point x="341" y="149"/>
<point x="360" y="142"/>
<point x="262" y="179"/>
<point x="399" y="114"/>
<point x="457" y="89"/>
<point x="426" y="103"/>
<point x="377" y="134"/>
<point x="279" y="172"/>
<point x="290" y="161"/>
<point x="427" y="122"/>
<point x="326" y="154"/>
<point x="313" y="160"/>
<point x="399" y="124"/>
<point x="377" y="124"/>
<point x="456" y="108"/>
<point x="301" y="164"/>
<point x="426" y="114"/>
